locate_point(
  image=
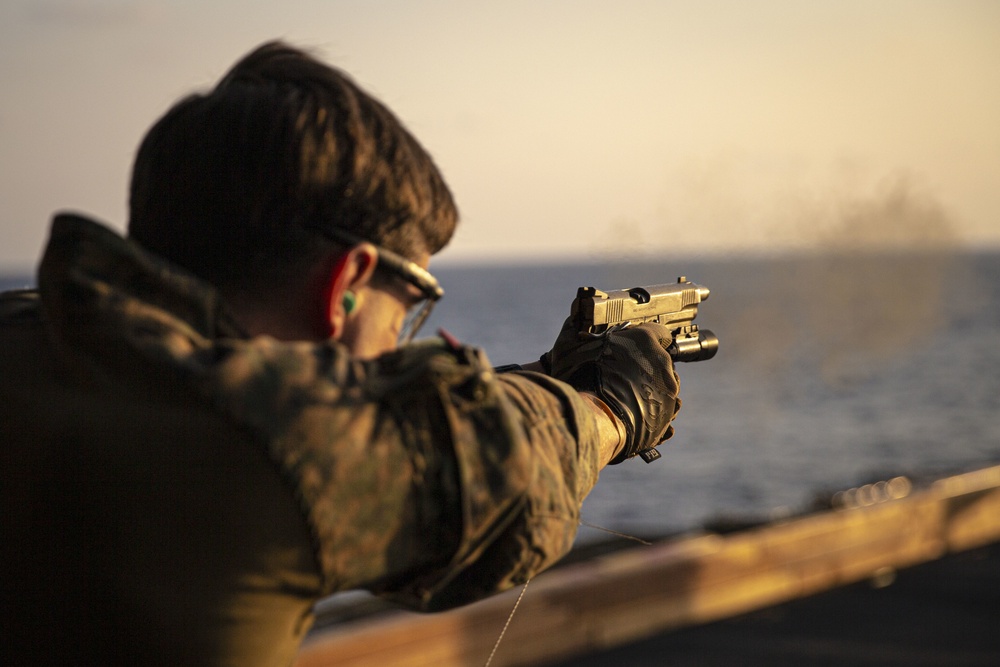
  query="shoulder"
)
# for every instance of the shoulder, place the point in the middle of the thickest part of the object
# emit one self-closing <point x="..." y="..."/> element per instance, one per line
<point x="19" y="306"/>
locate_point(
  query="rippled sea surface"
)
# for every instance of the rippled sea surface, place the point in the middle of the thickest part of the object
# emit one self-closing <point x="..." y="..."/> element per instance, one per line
<point x="833" y="371"/>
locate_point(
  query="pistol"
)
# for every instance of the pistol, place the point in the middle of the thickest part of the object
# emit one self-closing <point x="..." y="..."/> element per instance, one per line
<point x="674" y="305"/>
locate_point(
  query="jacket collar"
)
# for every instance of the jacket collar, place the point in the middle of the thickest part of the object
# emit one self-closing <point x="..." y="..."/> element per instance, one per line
<point x="91" y="276"/>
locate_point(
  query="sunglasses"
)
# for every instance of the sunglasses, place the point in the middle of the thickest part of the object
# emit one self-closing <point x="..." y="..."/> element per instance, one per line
<point x="407" y="271"/>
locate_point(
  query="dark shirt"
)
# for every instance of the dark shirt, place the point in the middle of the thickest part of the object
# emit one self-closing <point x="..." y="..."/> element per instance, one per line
<point x="175" y="492"/>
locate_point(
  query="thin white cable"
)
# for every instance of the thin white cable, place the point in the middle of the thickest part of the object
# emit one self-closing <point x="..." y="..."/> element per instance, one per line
<point x="505" y="625"/>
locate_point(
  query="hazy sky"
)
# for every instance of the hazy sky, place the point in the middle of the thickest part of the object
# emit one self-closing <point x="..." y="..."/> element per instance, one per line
<point x="563" y="127"/>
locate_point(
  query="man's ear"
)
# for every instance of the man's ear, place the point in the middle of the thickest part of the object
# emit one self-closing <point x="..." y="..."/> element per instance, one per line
<point x="351" y="272"/>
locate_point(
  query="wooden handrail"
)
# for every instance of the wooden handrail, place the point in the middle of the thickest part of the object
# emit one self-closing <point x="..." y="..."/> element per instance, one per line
<point x="623" y="597"/>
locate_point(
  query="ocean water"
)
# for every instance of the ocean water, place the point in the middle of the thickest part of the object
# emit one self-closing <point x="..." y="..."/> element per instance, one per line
<point x="833" y="371"/>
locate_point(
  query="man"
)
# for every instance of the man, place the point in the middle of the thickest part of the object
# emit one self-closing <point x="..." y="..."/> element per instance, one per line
<point x="210" y="425"/>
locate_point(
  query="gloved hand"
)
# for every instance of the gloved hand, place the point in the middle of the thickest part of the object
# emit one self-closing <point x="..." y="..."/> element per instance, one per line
<point x="629" y="369"/>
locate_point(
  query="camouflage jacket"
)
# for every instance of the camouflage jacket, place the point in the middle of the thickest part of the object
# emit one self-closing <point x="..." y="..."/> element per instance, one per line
<point x="181" y="490"/>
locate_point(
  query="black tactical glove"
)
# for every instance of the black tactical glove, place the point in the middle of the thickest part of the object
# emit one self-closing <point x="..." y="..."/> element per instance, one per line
<point x="629" y="369"/>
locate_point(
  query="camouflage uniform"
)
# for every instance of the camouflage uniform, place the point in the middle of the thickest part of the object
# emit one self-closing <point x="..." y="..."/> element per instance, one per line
<point x="175" y="492"/>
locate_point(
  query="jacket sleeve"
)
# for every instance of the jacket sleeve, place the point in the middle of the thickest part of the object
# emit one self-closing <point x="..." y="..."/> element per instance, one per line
<point x="424" y="476"/>
<point x="560" y="458"/>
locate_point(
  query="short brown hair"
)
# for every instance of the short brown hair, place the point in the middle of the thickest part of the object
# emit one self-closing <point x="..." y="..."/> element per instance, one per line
<point x="232" y="184"/>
